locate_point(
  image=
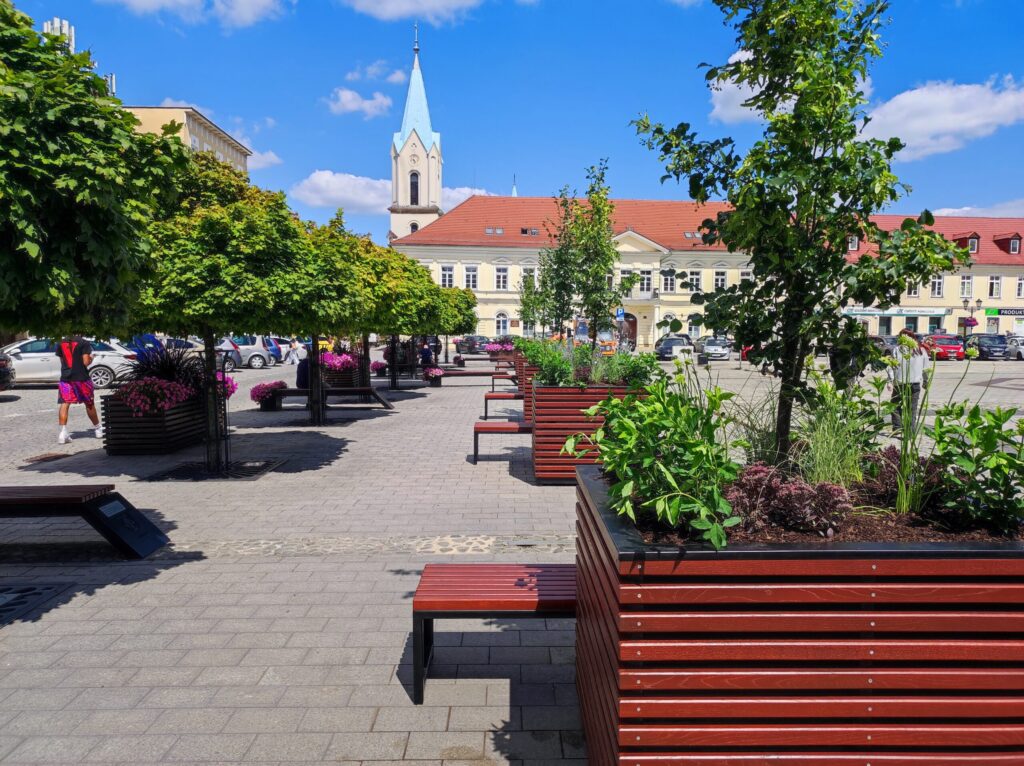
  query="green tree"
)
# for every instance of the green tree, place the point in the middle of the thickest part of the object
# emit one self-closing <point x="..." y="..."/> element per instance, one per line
<point x="809" y="183"/>
<point x="597" y="293"/>
<point x="559" y="264"/>
<point x="533" y="309"/>
<point x="77" y="187"/>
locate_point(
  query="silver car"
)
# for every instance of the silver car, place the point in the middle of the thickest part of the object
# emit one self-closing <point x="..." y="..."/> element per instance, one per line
<point x="35" y="361"/>
<point x="715" y="347"/>
<point x="1015" y="348"/>
<point x="254" y="350"/>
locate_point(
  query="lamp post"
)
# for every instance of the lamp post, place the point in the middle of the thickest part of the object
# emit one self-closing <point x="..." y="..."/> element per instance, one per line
<point x="972" y="308"/>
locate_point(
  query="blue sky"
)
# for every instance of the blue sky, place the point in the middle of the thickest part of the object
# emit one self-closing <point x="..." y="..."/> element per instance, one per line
<point x="539" y="89"/>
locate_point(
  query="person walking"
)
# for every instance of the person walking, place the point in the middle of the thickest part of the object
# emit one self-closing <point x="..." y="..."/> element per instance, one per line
<point x="426" y="356"/>
<point x="907" y="377"/>
<point x="75" y="386"/>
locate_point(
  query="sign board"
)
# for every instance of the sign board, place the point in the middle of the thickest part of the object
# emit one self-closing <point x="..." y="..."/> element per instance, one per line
<point x="896" y="311"/>
<point x="1004" y="312"/>
<point x="513" y="323"/>
<point x="620" y="314"/>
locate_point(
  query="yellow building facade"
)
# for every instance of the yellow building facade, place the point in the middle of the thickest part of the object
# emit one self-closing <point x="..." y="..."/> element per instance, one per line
<point x="197" y="132"/>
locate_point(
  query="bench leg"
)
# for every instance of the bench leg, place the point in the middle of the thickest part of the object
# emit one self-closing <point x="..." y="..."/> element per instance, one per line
<point x="422" y="648"/>
<point x="486" y="402"/>
<point x="476" y="447"/>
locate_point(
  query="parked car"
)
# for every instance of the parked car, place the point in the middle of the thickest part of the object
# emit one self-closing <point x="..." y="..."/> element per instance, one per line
<point x="35" y="361"/>
<point x="472" y="344"/>
<point x="714" y="347"/>
<point x="140" y="344"/>
<point x="1015" y="348"/>
<point x="254" y="351"/>
<point x="886" y="343"/>
<point x="944" y="347"/>
<point x="989" y="346"/>
<point x="195" y="346"/>
<point x="7" y="374"/>
<point x="668" y="347"/>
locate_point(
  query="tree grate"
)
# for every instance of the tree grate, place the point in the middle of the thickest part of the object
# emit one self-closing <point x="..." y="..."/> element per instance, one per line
<point x="19" y="599"/>
<point x="237" y="470"/>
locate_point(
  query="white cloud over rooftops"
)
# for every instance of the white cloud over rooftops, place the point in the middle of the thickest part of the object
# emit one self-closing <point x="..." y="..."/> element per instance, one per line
<point x="360" y="195"/>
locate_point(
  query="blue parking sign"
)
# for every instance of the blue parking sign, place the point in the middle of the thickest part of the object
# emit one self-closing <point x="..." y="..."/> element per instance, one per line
<point x="620" y="314"/>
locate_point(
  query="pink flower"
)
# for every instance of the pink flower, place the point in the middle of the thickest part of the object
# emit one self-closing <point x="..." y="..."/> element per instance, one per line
<point x="153" y="395"/>
<point x="263" y="391"/>
<point x="332" y="361"/>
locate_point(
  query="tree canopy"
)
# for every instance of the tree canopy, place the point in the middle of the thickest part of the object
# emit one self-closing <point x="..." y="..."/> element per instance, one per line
<point x="78" y="186"/>
<point x="812" y="181"/>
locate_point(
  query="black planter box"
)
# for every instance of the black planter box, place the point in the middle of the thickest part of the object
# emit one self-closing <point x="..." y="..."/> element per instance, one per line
<point x="154" y="434"/>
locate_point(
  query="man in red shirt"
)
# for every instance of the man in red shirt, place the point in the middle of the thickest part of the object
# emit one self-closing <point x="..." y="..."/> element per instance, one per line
<point x="75" y="385"/>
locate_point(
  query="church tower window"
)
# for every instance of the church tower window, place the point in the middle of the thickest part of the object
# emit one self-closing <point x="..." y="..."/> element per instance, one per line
<point x="414" y="188"/>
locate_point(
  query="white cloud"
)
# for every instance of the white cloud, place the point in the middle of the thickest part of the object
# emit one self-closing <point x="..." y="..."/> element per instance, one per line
<point x="186" y="105"/>
<point x="356" y="194"/>
<point x="1013" y="208"/>
<point x="230" y="13"/>
<point x="940" y="117"/>
<point x="361" y="195"/>
<point x="433" y="11"/>
<point x="345" y="101"/>
<point x="686" y="3"/>
<point x="727" y="98"/>
<point x="397" y="77"/>
<point x="260" y="160"/>
<point x="452" y="197"/>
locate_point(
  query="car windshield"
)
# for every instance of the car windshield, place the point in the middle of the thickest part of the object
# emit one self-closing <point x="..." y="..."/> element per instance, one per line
<point x="946" y="340"/>
<point x="245" y="340"/>
<point x="989" y="340"/>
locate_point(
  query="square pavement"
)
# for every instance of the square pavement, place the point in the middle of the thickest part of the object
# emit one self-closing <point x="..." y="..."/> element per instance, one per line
<point x="276" y="627"/>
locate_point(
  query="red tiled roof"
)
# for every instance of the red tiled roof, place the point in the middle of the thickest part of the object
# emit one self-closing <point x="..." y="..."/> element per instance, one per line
<point x="665" y="222"/>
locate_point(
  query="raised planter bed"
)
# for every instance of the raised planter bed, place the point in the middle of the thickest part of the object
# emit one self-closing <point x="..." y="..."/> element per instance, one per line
<point x="154" y="434"/>
<point x="524" y="382"/>
<point x="890" y="655"/>
<point x="340" y="378"/>
<point x="558" y="414"/>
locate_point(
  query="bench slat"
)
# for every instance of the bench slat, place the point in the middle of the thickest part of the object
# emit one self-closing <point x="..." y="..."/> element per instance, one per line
<point x="36" y="495"/>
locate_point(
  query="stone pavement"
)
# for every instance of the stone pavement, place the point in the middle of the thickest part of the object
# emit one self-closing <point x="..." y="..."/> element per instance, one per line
<point x="276" y="627"/>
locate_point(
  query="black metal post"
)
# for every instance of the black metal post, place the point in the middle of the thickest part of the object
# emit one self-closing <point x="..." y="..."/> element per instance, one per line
<point x="316" y="385"/>
<point x="393" y="362"/>
<point x="447" y="338"/>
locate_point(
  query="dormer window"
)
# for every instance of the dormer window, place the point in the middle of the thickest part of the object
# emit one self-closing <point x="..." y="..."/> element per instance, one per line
<point x="414" y="227"/>
<point x="524" y="231"/>
<point x="489" y="230"/>
<point x="972" y="245"/>
<point x="1015" y="246"/>
<point x="853" y="243"/>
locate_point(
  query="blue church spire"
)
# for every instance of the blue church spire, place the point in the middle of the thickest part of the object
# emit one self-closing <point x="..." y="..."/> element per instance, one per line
<point x="417" y="114"/>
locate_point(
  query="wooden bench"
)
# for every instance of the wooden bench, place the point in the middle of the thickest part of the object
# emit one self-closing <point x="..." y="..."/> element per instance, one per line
<point x="455" y="591"/>
<point x="500" y="396"/>
<point x="104" y="510"/>
<point x="492" y="427"/>
<point x="501" y="376"/>
<point x="280" y="393"/>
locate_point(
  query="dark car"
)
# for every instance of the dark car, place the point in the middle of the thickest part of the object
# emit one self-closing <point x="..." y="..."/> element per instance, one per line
<point x="472" y="344"/>
<point x="144" y="343"/>
<point x="6" y="373"/>
<point x="886" y="343"/>
<point x="668" y="347"/>
<point x="989" y="346"/>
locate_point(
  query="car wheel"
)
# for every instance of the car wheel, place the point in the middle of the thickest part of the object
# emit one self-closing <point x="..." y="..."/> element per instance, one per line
<point x="257" y="362"/>
<point x="271" y="361"/>
<point x="101" y="377"/>
<point x="229" y="365"/>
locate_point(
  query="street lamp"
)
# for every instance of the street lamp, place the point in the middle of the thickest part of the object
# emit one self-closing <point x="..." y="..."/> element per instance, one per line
<point x="972" y="308"/>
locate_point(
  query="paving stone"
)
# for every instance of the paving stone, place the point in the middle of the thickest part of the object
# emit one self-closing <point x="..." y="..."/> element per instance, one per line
<point x="485" y="718"/>
<point x="538" y="717"/>
<point x="518" y="745"/>
<point x="419" y="718"/>
<point x="191" y="721"/>
<point x="334" y="720"/>
<point x="288" y="747"/>
<point x="452" y="745"/>
<point x="114" y="722"/>
<point x="134" y="749"/>
<point x="259" y="720"/>
<point x="371" y="746"/>
<point x="52" y="749"/>
<point x="210" y="747"/>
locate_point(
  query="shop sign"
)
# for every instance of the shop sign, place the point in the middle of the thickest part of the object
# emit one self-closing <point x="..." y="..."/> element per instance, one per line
<point x="897" y="311"/>
<point x="1004" y="312"/>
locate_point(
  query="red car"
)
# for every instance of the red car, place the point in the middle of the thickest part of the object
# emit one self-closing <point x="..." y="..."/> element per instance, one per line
<point x="944" y="347"/>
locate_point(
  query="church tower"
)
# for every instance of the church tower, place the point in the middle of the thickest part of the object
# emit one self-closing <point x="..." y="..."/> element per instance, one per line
<point x="415" y="161"/>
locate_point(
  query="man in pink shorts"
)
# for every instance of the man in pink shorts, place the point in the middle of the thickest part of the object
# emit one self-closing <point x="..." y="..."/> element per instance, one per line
<point x="75" y="385"/>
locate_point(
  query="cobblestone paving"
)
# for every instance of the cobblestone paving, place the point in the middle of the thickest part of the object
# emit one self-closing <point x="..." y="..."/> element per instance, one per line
<point x="275" y="628"/>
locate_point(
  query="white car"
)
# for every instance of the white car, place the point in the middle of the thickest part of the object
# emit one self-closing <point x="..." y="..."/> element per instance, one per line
<point x="35" y="361"/>
<point x="1015" y="348"/>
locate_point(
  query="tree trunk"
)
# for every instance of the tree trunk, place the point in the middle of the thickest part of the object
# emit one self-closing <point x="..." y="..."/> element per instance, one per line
<point x="316" y="385"/>
<point x="792" y="372"/>
<point x="215" y="462"/>
<point x="393" y="362"/>
<point x="364" y="364"/>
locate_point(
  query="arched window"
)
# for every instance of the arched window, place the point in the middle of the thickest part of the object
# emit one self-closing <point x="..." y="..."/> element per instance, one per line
<point x="501" y="324"/>
<point x="414" y="188"/>
<point x="414" y="227"/>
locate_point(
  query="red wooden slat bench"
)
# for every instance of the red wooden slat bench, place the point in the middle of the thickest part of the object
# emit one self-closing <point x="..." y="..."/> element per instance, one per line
<point x="453" y="591"/>
<point x="104" y="510"/>
<point x="491" y="427"/>
<point x="501" y="376"/>
<point x="500" y="396"/>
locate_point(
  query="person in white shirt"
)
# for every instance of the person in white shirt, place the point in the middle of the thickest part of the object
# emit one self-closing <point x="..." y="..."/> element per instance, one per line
<point x="907" y="377"/>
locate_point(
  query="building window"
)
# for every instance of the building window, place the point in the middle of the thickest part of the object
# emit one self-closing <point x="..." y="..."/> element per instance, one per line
<point x="489" y="230"/>
<point x="1020" y="287"/>
<point x="1014" y="247"/>
<point x="934" y="324"/>
<point x="611" y="280"/>
<point x="746" y="275"/>
<point x="499" y="231"/>
<point x="972" y="245"/>
<point x="668" y="283"/>
<point x="885" y="325"/>
<point x="447" y="276"/>
<point x="721" y="280"/>
<point x="501" y="278"/>
<point x="471" y="277"/>
<point x="501" y="324"/>
<point x="853" y="243"/>
<point x="524" y="231"/>
<point x="530" y="275"/>
<point x="694" y="281"/>
<point x="646" y="282"/>
<point x="195" y="143"/>
<point x="995" y="287"/>
<point x="534" y="232"/>
<point x="414" y="188"/>
<point x="414" y="227"/>
<point x="936" y="286"/>
<point x="911" y="324"/>
<point x="966" y="286"/>
<point x="694" y="330"/>
<point x="913" y="290"/>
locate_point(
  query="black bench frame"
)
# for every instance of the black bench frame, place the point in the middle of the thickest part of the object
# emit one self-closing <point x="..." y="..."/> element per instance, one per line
<point x="364" y="391"/>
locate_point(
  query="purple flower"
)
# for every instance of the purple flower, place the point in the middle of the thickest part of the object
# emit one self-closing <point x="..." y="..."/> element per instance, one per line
<point x="332" y="361"/>
<point x="263" y="391"/>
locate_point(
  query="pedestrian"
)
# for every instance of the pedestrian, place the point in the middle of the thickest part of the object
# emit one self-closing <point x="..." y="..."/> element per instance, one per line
<point x="426" y="356"/>
<point x="75" y="386"/>
<point x="907" y="377"/>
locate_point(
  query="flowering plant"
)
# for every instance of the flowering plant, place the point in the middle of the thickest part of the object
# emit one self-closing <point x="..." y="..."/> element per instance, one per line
<point x="378" y="366"/>
<point x="153" y="395"/>
<point x="228" y="383"/>
<point x="495" y="347"/>
<point x="432" y="372"/>
<point x="263" y="391"/>
<point x="340" y="362"/>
